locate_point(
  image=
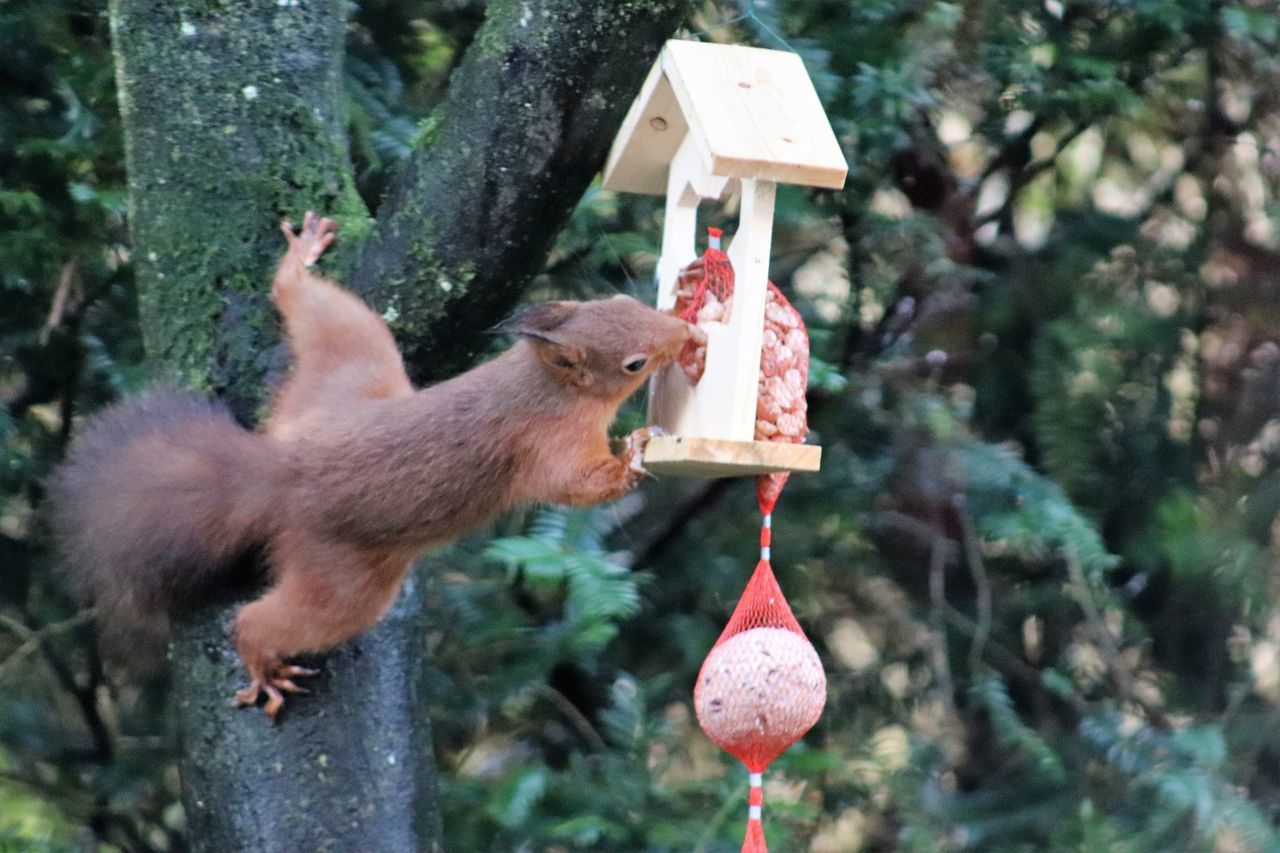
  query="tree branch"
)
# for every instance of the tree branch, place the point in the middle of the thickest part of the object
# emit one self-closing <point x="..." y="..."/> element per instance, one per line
<point x="32" y="639"/>
<point x="939" y="648"/>
<point x="981" y="580"/>
<point x="1117" y="667"/>
<point x="525" y="126"/>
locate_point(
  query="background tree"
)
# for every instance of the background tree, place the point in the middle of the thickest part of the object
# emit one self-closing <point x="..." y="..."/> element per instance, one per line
<point x="1039" y="562"/>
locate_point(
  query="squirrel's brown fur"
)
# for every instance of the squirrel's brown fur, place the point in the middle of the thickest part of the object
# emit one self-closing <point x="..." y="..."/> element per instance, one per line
<point x="355" y="473"/>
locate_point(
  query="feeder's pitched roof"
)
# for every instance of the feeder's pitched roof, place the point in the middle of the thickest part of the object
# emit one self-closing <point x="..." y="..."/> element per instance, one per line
<point x="753" y="113"/>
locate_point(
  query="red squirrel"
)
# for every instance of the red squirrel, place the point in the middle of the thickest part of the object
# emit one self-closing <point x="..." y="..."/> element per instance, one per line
<point x="355" y="473"/>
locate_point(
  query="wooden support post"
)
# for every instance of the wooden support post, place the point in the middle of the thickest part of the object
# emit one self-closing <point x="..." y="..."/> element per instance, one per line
<point x="673" y="400"/>
<point x="739" y="379"/>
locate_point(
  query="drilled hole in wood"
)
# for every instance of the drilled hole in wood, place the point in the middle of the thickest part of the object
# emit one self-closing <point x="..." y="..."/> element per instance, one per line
<point x="658" y="123"/>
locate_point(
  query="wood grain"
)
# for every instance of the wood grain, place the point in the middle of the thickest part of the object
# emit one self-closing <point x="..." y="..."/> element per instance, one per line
<point x="679" y="456"/>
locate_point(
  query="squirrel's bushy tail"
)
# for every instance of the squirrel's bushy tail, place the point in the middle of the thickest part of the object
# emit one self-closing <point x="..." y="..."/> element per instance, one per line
<point x="158" y="497"/>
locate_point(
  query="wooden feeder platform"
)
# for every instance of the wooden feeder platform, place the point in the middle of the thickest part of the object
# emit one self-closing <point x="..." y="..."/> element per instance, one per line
<point x="686" y="456"/>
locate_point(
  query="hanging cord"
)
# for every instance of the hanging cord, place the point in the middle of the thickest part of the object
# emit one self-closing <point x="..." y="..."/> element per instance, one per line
<point x="766" y="537"/>
<point x="754" y="840"/>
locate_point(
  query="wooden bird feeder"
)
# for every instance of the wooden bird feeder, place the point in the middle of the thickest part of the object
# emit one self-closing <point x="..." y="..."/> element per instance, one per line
<point x="710" y="121"/>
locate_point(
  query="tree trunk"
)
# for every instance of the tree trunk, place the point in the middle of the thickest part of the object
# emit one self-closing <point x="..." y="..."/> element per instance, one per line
<point x="232" y="121"/>
<point x="347" y="769"/>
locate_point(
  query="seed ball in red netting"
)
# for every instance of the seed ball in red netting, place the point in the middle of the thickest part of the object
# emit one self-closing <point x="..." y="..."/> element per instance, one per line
<point x="759" y="691"/>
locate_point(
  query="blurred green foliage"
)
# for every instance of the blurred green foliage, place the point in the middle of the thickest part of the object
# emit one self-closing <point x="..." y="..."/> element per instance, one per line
<point x="1038" y="562"/>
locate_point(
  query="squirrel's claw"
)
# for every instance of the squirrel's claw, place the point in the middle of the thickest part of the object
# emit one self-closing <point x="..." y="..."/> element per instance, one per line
<point x="635" y="446"/>
<point x="249" y="695"/>
<point x="289" y="686"/>
<point x="693" y="272"/>
<point x="275" y="701"/>
<point x="275" y="686"/>
<point x="291" y="671"/>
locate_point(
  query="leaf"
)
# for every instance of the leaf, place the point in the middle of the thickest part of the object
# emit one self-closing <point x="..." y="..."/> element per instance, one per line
<point x="623" y="720"/>
<point x="990" y="692"/>
<point x="512" y="803"/>
<point x="1023" y="513"/>
<point x="565" y="547"/>
<point x="588" y="830"/>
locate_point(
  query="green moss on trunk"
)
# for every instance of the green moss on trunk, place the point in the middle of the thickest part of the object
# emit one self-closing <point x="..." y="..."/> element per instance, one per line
<point x="232" y="121"/>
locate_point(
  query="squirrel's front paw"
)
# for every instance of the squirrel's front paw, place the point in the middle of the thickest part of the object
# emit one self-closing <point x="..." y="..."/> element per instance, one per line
<point x="635" y="445"/>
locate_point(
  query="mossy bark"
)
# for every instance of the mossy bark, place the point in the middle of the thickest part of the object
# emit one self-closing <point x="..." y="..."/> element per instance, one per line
<point x="528" y="120"/>
<point x="232" y="117"/>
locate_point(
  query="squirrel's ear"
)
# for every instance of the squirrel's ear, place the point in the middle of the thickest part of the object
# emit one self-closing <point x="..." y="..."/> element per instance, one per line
<point x="565" y="361"/>
<point x="538" y="321"/>
<point x="540" y="325"/>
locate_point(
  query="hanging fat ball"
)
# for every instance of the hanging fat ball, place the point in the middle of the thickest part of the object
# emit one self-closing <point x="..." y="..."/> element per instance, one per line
<point x="759" y="692"/>
<point x="761" y="687"/>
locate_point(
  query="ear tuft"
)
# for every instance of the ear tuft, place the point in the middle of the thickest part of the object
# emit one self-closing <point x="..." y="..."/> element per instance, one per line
<point x="538" y="321"/>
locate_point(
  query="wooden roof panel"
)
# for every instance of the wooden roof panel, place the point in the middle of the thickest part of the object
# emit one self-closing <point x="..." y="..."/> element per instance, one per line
<point x="754" y="114"/>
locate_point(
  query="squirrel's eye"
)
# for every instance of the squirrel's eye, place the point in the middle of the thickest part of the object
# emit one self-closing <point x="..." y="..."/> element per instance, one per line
<point x="634" y="365"/>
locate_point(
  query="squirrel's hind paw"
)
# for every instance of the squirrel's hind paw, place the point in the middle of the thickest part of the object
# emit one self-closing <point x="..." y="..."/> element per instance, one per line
<point x="309" y="243"/>
<point x="275" y="686"/>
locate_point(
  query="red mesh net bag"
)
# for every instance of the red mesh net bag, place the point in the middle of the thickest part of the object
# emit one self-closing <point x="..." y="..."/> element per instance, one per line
<point x="705" y="295"/>
<point x="781" y="408"/>
<point x="762" y="685"/>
